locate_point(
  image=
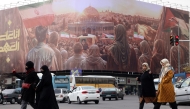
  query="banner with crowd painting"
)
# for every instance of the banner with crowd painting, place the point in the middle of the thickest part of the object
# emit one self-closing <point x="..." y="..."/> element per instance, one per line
<point x="115" y="35"/>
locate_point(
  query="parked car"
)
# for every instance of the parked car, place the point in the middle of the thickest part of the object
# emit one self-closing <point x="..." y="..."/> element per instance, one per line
<point x="84" y="94"/>
<point x="61" y="94"/>
<point x="182" y="91"/>
<point x="11" y="95"/>
<point x="112" y="93"/>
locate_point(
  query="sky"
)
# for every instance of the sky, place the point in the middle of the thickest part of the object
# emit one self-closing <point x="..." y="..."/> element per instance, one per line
<point x="181" y="3"/>
<point x="125" y="6"/>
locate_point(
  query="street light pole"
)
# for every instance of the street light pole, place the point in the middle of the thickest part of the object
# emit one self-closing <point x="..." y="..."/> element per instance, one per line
<point x="173" y="19"/>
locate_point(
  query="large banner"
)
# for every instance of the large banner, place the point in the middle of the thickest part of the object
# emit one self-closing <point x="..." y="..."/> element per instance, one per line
<point x="115" y="35"/>
<point x="13" y="41"/>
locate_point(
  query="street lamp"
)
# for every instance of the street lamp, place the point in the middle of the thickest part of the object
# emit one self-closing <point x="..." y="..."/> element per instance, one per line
<point x="173" y="19"/>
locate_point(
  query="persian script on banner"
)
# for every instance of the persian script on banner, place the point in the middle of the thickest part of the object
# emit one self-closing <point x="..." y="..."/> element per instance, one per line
<point x="12" y="41"/>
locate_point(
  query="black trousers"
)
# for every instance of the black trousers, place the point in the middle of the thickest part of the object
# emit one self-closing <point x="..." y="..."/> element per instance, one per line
<point x="172" y="105"/>
<point x="141" y="106"/>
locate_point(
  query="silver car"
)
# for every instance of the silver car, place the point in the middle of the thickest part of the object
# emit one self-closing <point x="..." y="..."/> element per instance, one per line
<point x="61" y="94"/>
<point x="11" y="95"/>
<point x="183" y="91"/>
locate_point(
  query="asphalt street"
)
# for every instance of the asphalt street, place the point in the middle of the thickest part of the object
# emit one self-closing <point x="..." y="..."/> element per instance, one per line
<point x="129" y="102"/>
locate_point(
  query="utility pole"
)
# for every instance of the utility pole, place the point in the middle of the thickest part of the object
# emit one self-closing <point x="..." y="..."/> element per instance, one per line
<point x="177" y="22"/>
<point x="178" y="50"/>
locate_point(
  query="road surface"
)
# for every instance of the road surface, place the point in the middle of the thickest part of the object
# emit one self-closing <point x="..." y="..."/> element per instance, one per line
<point x="129" y="102"/>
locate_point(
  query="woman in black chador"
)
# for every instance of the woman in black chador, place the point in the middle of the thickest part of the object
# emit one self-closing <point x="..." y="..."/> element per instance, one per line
<point x="147" y="91"/>
<point x="45" y="93"/>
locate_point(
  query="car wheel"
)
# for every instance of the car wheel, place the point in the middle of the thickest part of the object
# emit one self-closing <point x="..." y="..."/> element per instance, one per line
<point x="69" y="102"/>
<point x="63" y="101"/>
<point x="96" y="102"/>
<point x="85" y="102"/>
<point x="13" y="101"/>
<point x="78" y="100"/>
<point x="103" y="99"/>
<point x="109" y="98"/>
<point x="121" y="98"/>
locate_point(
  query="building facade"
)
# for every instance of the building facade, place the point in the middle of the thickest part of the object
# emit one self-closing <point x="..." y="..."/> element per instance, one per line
<point x="90" y="23"/>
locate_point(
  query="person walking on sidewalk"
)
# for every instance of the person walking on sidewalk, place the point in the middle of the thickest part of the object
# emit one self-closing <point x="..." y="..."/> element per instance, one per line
<point x="28" y="87"/>
<point x="45" y="95"/>
<point x="165" y="88"/>
<point x="147" y="91"/>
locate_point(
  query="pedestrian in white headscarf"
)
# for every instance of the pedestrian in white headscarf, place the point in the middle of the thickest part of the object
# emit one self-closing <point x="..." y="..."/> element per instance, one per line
<point x="166" y="92"/>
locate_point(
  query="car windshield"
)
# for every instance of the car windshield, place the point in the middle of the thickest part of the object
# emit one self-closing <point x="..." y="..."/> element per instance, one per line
<point x="57" y="90"/>
<point x="110" y="89"/>
<point x="88" y="87"/>
<point x="8" y="91"/>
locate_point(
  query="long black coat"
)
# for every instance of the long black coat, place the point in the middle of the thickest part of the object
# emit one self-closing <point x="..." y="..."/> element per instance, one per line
<point x="147" y="85"/>
<point x="45" y="93"/>
<point x="31" y="78"/>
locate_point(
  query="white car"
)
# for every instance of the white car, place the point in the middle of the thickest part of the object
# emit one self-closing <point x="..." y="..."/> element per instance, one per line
<point x="61" y="94"/>
<point x="84" y="94"/>
<point x="182" y="91"/>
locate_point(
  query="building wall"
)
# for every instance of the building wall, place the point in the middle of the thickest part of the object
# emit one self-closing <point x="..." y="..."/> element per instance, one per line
<point x="94" y="27"/>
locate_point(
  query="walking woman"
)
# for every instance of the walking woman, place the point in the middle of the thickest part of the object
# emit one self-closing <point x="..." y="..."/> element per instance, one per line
<point x="147" y="91"/>
<point x="28" y="87"/>
<point x="45" y="95"/>
<point x="166" y="92"/>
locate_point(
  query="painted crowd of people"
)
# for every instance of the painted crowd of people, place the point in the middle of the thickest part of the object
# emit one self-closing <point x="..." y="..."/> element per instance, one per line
<point x="120" y="57"/>
<point x="46" y="52"/>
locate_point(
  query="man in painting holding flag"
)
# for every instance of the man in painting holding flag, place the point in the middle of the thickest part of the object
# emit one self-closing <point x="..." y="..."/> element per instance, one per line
<point x="39" y="16"/>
